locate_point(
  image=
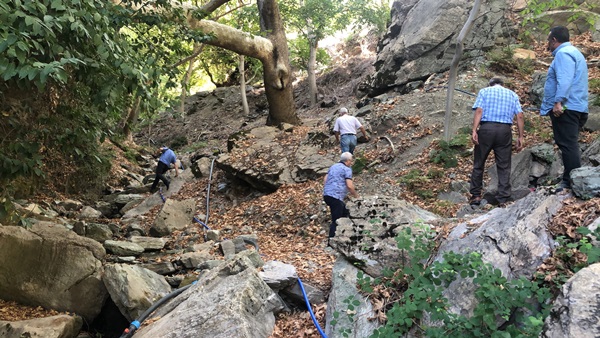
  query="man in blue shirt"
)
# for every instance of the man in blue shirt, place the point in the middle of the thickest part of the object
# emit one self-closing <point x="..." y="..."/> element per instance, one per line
<point x="495" y="108"/>
<point x="167" y="157"/>
<point x="336" y="185"/>
<point x="566" y="99"/>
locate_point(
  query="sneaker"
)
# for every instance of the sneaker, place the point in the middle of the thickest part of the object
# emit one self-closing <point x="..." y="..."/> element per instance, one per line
<point x="560" y="188"/>
<point x="475" y="200"/>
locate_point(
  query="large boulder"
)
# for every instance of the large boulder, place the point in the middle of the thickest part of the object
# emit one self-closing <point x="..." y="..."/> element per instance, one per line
<point x="367" y="238"/>
<point x="133" y="288"/>
<point x="360" y="323"/>
<point x="421" y="38"/>
<point x="52" y="267"/>
<point x="228" y="301"/>
<point x="575" y="311"/>
<point x="514" y="240"/>
<point x="174" y="215"/>
<point x="265" y="159"/>
<point x="61" y="326"/>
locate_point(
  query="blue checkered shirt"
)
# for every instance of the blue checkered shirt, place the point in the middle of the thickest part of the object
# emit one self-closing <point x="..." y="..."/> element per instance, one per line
<point x="499" y="104"/>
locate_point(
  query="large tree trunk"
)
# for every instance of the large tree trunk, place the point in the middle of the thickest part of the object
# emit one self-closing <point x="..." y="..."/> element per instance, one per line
<point x="312" y="78"/>
<point x="272" y="51"/>
<point x="277" y="77"/>
<point x="242" y="69"/>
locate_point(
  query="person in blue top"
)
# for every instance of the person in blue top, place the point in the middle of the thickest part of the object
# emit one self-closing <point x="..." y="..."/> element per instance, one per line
<point x="167" y="157"/>
<point x="336" y="185"/>
<point x="495" y="108"/>
<point x="566" y="99"/>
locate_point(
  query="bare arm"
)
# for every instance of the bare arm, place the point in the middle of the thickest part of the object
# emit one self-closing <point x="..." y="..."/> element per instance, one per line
<point x="337" y="136"/>
<point x="521" y="128"/>
<point x="476" y="121"/>
<point x="324" y="179"/>
<point x="362" y="129"/>
<point x="351" y="189"/>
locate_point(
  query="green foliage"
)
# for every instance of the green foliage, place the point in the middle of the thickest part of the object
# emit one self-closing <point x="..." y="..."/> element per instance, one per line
<point x="299" y="53"/>
<point x="360" y="163"/>
<point x="446" y="152"/>
<point x="533" y="23"/>
<point x="500" y="60"/>
<point x="414" y="178"/>
<point x="370" y="13"/>
<point x="9" y="214"/>
<point x="75" y="66"/>
<point x="587" y="247"/>
<point x="498" y="298"/>
<point x="178" y="142"/>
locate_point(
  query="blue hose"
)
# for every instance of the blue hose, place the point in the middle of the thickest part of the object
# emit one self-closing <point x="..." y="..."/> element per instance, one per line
<point x="312" y="315"/>
<point x="201" y="223"/>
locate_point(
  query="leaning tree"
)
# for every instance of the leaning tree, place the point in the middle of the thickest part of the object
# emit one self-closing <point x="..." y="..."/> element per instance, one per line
<point x="271" y="49"/>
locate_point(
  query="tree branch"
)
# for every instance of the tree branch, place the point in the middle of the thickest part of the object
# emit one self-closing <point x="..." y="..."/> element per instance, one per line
<point x="234" y="40"/>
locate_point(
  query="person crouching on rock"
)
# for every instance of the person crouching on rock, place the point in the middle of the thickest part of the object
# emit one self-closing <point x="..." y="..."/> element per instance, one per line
<point x="167" y="157"/>
<point x="337" y="184"/>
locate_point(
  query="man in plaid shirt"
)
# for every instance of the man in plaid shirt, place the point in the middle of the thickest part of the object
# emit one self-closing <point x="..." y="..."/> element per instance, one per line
<point x="495" y="108"/>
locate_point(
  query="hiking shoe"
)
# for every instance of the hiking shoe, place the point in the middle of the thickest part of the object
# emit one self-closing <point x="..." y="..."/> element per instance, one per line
<point x="560" y="188"/>
<point x="475" y="200"/>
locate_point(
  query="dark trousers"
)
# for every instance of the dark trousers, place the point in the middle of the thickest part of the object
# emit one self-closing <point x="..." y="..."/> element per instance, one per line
<point x="496" y="137"/>
<point x="338" y="210"/>
<point x="161" y="169"/>
<point x="566" y="135"/>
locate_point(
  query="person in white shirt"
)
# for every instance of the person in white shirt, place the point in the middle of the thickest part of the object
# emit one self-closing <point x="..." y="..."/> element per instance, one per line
<point x="345" y="129"/>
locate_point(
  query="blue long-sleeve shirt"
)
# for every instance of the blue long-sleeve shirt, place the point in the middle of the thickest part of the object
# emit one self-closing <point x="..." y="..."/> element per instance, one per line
<point x="567" y="80"/>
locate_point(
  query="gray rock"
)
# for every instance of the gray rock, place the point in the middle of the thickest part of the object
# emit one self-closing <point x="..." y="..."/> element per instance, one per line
<point x="575" y="311"/>
<point x="419" y="41"/>
<point x="228" y="248"/>
<point x="278" y="275"/>
<point x="585" y="182"/>
<point x="520" y="172"/>
<point x="122" y="248"/>
<point x="174" y="215"/>
<point x="98" y="232"/>
<point x="161" y="268"/>
<point x="213" y="235"/>
<point x="149" y="243"/>
<point x="544" y="152"/>
<point x="192" y="260"/>
<point x="229" y="301"/>
<point x="60" y="326"/>
<point x="88" y="212"/>
<point x="293" y="294"/>
<point x="513" y="240"/>
<point x="368" y="236"/>
<point x="52" y="267"/>
<point x="211" y="264"/>
<point x="343" y="286"/>
<point x="536" y="93"/>
<point x="453" y="197"/>
<point x="133" y="288"/>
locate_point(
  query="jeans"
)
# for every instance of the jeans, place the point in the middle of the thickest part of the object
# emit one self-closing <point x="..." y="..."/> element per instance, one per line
<point x="566" y="135"/>
<point x="496" y="137"/>
<point x="348" y="143"/>
<point x="338" y="210"/>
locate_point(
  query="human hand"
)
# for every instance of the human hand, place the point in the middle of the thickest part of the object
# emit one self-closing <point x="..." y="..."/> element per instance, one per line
<point x="475" y="138"/>
<point x="557" y="109"/>
<point x="520" y="143"/>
